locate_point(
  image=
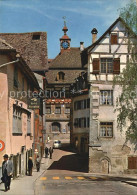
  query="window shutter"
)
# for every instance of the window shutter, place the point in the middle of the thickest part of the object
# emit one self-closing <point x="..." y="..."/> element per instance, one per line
<point x="95" y="66"/>
<point x="114" y="39"/>
<point x="116" y="66"/>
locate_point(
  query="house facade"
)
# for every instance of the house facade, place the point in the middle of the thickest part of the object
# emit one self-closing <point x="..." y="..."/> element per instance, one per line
<point x="108" y="150"/>
<point x="16" y="119"/>
<point x="32" y="47"/>
<point x="63" y="70"/>
<point x="80" y="114"/>
<point x="107" y="57"/>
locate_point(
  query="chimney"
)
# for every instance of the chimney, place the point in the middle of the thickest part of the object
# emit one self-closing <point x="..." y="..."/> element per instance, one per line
<point x="94" y="35"/>
<point x="81" y="46"/>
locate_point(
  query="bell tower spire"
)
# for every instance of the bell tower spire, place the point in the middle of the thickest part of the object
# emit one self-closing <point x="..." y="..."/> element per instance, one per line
<point x="64" y="40"/>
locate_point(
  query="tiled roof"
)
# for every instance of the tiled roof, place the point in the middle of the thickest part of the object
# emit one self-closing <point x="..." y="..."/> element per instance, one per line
<point x="68" y="59"/>
<point x="69" y="76"/>
<point x="34" y="52"/>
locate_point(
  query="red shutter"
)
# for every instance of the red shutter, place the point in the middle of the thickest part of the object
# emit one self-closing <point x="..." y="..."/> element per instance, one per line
<point x="116" y="66"/>
<point x="114" y="39"/>
<point x="95" y="66"/>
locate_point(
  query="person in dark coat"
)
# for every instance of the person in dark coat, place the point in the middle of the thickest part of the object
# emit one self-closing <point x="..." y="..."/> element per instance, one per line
<point x="7" y="171"/>
<point x="30" y="166"/>
<point x="46" y="152"/>
<point x="38" y="163"/>
<point x="50" y="152"/>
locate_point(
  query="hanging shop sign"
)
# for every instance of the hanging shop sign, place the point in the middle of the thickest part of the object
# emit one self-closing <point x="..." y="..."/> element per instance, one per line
<point x="34" y="103"/>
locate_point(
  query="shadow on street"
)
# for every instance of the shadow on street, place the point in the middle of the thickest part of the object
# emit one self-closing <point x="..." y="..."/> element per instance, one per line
<point x="72" y="162"/>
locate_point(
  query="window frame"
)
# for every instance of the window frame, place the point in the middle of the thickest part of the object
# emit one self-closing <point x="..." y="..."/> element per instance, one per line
<point x="29" y="124"/>
<point x="49" y="109"/>
<point x="109" y="97"/>
<point x="57" y="107"/>
<point x="17" y="123"/>
<point x="67" y="110"/>
<point x="112" y="42"/>
<point x="106" y="125"/>
<point x="106" y="64"/>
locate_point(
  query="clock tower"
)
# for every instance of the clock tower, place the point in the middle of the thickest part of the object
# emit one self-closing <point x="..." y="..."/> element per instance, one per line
<point x="65" y="40"/>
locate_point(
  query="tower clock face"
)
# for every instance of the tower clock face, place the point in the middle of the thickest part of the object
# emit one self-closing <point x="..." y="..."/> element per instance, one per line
<point x="65" y="44"/>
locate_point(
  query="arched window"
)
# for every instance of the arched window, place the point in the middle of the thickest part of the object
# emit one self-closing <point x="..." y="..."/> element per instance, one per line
<point x="60" y="76"/>
<point x="56" y="127"/>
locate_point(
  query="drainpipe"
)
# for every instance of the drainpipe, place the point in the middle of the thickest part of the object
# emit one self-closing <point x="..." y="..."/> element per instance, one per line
<point x="13" y="62"/>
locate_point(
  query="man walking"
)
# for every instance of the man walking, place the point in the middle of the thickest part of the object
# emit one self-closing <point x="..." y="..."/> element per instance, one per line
<point x="46" y="152"/>
<point x="30" y="166"/>
<point x="50" y="152"/>
<point x="38" y="163"/>
<point x="7" y="171"/>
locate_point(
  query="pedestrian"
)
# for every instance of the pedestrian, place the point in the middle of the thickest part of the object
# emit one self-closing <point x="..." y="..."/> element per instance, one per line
<point x="38" y="163"/>
<point x="50" y="152"/>
<point x="30" y="166"/>
<point x="7" y="171"/>
<point x="46" y="152"/>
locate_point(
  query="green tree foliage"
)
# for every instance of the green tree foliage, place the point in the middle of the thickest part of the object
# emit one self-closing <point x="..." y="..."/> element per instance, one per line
<point x="127" y="101"/>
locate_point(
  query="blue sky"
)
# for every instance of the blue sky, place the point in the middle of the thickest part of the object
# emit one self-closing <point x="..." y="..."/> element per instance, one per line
<point x="46" y="15"/>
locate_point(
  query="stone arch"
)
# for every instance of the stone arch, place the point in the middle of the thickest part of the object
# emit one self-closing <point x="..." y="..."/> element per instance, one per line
<point x="56" y="127"/>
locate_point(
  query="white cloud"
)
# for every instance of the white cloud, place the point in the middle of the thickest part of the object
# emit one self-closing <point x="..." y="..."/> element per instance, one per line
<point x="27" y="7"/>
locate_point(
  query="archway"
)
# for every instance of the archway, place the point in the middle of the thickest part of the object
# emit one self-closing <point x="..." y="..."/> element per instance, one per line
<point x="56" y="127"/>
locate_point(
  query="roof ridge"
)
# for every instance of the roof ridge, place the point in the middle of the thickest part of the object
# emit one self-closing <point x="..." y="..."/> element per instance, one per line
<point x="7" y="44"/>
<point x="23" y="33"/>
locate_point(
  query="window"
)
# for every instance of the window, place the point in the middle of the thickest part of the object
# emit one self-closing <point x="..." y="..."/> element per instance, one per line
<point x="88" y="122"/>
<point x="48" y="110"/>
<point x="28" y="123"/>
<point x="56" y="127"/>
<point x="60" y="76"/>
<point x="82" y="104"/>
<point x="58" y="110"/>
<point x="79" y="105"/>
<point x="15" y="76"/>
<point x="114" y="39"/>
<point x="106" y="97"/>
<point x="17" y="120"/>
<point x="81" y="122"/>
<point x="85" y="104"/>
<point x="67" y="110"/>
<point x="76" y="122"/>
<point x="36" y="37"/>
<point x="106" y="65"/>
<point x="88" y="103"/>
<point x="106" y="129"/>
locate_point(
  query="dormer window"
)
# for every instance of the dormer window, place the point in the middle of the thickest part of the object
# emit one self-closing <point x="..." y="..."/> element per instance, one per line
<point x="114" y="38"/>
<point x="36" y="37"/>
<point x="60" y="76"/>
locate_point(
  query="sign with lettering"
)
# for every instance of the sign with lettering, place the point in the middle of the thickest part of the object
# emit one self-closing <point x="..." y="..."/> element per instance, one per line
<point x="34" y="103"/>
<point x="2" y="145"/>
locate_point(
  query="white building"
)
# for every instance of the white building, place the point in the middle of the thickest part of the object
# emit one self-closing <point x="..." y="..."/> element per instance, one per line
<point x="108" y="151"/>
